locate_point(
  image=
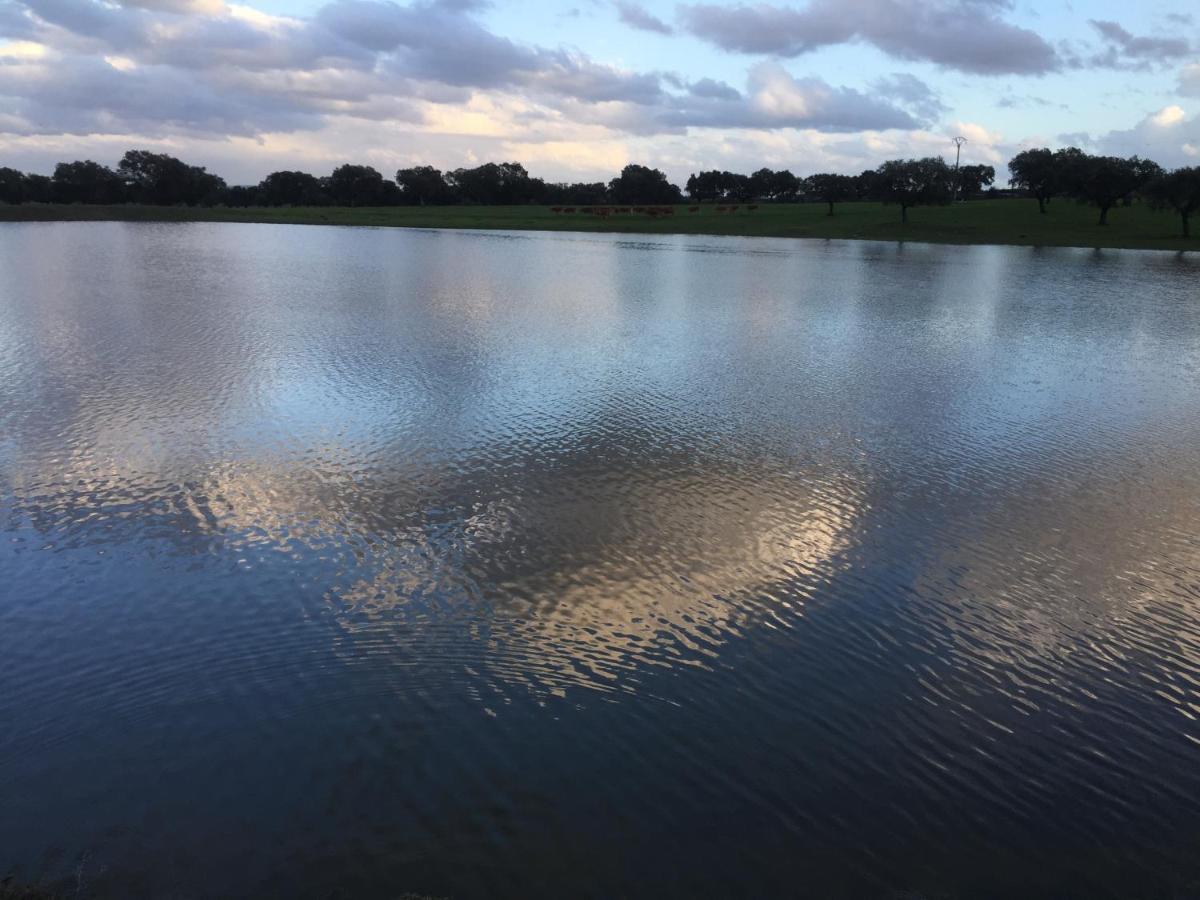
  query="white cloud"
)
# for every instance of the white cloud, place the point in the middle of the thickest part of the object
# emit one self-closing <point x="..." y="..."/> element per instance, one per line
<point x="1168" y="136"/>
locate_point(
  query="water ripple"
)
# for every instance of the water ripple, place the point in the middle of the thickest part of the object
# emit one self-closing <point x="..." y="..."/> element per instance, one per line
<point x="477" y="565"/>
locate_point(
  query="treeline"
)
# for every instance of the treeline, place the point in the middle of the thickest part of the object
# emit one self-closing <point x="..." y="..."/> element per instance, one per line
<point x="1105" y="181"/>
<point x="160" y="179"/>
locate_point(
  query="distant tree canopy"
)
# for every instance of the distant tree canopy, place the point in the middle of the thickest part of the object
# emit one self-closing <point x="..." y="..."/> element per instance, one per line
<point x="291" y="189"/>
<point x="830" y="188"/>
<point x="1178" y="191"/>
<point x="13" y="188"/>
<point x="723" y="187"/>
<point x="87" y="182"/>
<point x="504" y="184"/>
<point x="915" y="182"/>
<point x="639" y="184"/>
<point x="1102" y="181"/>
<point x="143" y="176"/>
<point x="423" y="186"/>
<point x="780" y="187"/>
<point x="973" y="179"/>
<point x="1035" y="171"/>
<point x="361" y="186"/>
<point x="163" y="180"/>
<point x="582" y="194"/>
<point x="1105" y="181"/>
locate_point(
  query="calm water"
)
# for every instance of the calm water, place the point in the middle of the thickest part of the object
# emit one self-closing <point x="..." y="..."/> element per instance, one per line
<point x="573" y="565"/>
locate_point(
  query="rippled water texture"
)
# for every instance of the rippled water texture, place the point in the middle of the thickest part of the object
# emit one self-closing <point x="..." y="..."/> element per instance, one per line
<point x="568" y="565"/>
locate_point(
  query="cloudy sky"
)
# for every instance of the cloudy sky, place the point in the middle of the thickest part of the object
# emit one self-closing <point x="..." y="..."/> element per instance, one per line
<point x="579" y="88"/>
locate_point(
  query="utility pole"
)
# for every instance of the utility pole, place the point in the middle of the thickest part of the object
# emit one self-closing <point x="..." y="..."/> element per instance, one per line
<point x="958" y="144"/>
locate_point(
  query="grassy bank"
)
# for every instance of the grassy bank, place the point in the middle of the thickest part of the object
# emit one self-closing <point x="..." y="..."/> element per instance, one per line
<point x="1066" y="224"/>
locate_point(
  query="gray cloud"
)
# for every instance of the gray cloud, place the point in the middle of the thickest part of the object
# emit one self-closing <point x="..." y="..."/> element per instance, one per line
<point x="967" y="35"/>
<point x="1189" y="81"/>
<point x="1009" y="101"/>
<point x="1126" y="50"/>
<point x="15" y="23"/>
<point x="153" y="101"/>
<point x="428" y="42"/>
<point x="776" y="99"/>
<point x="636" y="17"/>
<point x="912" y="93"/>
<point x="714" y="90"/>
<point x="169" y="67"/>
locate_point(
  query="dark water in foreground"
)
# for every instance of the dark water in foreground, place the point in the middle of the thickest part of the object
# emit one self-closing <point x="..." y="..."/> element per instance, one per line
<point x="575" y="565"/>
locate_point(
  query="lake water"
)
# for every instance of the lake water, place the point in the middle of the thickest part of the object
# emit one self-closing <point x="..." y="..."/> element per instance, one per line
<point x="498" y="564"/>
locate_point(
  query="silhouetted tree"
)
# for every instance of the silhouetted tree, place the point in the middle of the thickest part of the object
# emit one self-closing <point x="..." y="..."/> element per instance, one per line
<point x="12" y="186"/>
<point x="291" y="189"/>
<point x="1104" y="181"/>
<point x="39" y="189"/>
<point x="157" y="178"/>
<point x="973" y="179"/>
<point x="1070" y="166"/>
<point x="639" y="184"/>
<point x="915" y="182"/>
<point x="761" y="184"/>
<point x="717" y="185"/>
<point x="351" y="185"/>
<point x="1178" y="190"/>
<point x="423" y="186"/>
<point x="866" y="185"/>
<point x="241" y="195"/>
<point x="1038" y="172"/>
<point x="829" y="188"/>
<point x="85" y="181"/>
<point x="504" y="183"/>
<point x="705" y="186"/>
<point x="785" y="186"/>
<point x="578" y="194"/>
<point x="737" y="187"/>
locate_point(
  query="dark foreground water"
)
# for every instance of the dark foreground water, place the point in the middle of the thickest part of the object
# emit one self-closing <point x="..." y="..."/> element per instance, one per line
<point x="485" y="565"/>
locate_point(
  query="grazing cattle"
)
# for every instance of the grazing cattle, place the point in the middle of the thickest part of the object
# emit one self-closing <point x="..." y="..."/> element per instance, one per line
<point x="556" y="209"/>
<point x="639" y="209"/>
<point x="568" y="209"/>
<point x="693" y="209"/>
<point x="720" y="209"/>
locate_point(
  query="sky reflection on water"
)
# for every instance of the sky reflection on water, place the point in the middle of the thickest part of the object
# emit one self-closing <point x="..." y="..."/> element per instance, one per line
<point x="575" y="564"/>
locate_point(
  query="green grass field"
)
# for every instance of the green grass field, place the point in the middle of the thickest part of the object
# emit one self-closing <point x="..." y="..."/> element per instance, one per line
<point x="1066" y="224"/>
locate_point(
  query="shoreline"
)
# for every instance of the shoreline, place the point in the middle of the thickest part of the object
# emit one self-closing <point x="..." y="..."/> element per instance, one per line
<point x="1004" y="222"/>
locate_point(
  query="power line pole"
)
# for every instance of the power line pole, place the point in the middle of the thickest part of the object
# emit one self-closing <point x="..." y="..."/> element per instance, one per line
<point x="958" y="145"/>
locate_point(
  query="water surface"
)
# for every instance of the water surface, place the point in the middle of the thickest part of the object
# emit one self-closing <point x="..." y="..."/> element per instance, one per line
<point x="486" y="564"/>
